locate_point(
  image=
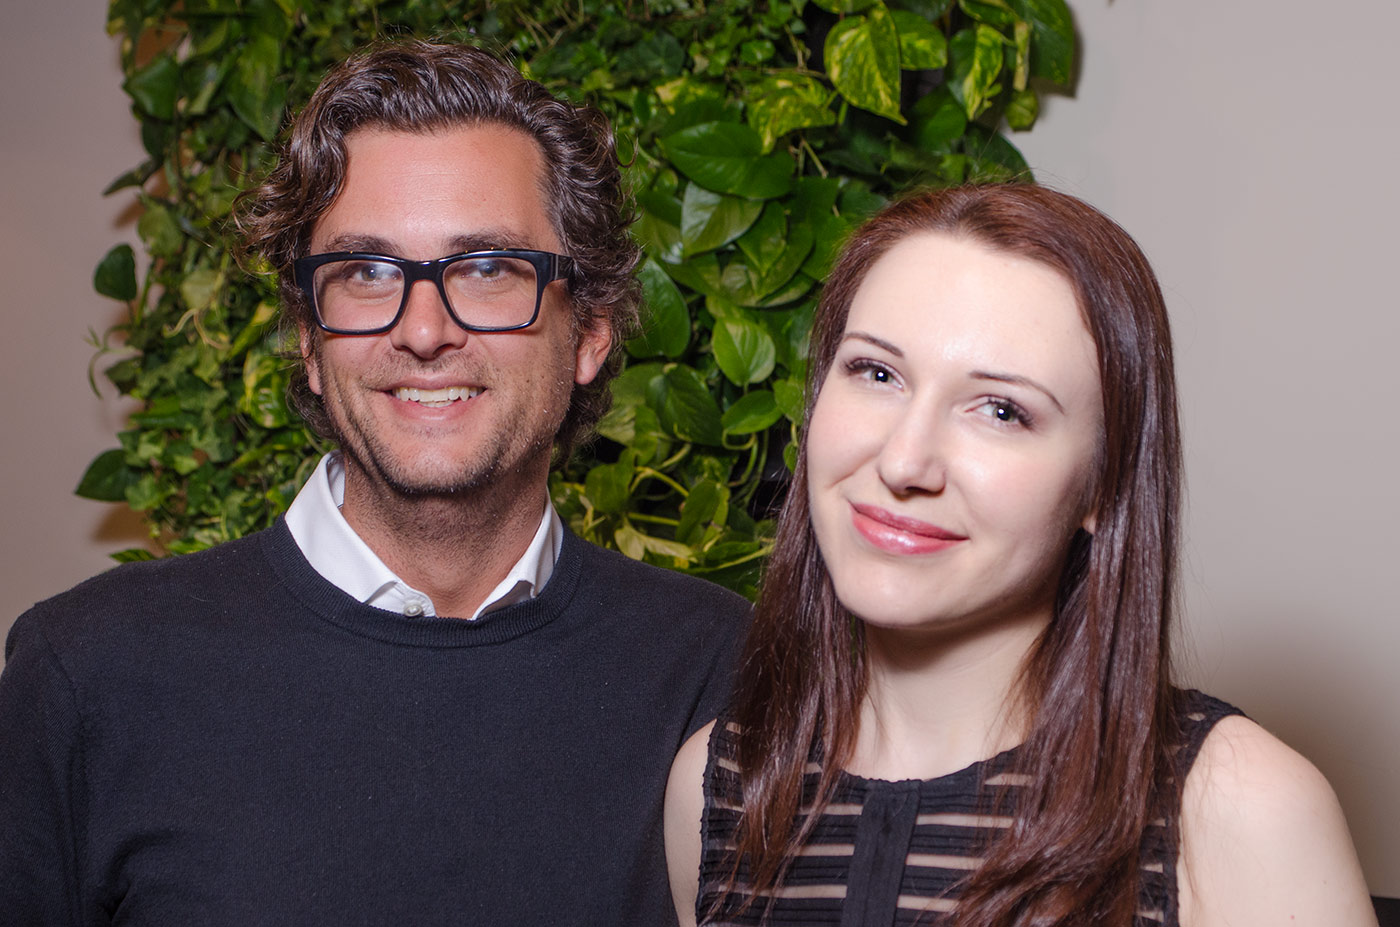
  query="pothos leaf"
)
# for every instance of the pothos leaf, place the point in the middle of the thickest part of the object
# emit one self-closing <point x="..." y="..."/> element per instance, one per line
<point x="726" y="157"/>
<point x="685" y="405"/>
<point x="922" y="45"/>
<point x="751" y="412"/>
<point x="1052" y="46"/>
<point x="862" y="57"/>
<point x="744" y="351"/>
<point x="844" y="6"/>
<point x="254" y="91"/>
<point x="155" y="87"/>
<point x="782" y="103"/>
<point x="665" y="319"/>
<point x="706" y="503"/>
<point x="976" y="64"/>
<point x="710" y="220"/>
<point x="1022" y="109"/>
<point x="996" y="13"/>
<point x="608" y="486"/>
<point x="115" y="276"/>
<point x="106" y="478"/>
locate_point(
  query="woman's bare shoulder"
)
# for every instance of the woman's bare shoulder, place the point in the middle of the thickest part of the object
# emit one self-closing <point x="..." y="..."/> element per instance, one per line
<point x="685" y="805"/>
<point x="1263" y="838"/>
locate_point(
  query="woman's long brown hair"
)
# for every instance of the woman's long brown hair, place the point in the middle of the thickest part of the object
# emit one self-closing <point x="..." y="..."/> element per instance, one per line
<point x="1097" y="683"/>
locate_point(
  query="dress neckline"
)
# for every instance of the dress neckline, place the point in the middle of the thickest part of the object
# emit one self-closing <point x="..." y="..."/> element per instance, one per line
<point x="977" y="772"/>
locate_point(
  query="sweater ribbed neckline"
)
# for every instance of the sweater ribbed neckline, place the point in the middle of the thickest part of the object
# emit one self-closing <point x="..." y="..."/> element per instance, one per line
<point x="337" y="607"/>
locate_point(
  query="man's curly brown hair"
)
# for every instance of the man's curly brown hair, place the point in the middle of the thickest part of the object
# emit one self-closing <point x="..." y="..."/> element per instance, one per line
<point x="416" y="86"/>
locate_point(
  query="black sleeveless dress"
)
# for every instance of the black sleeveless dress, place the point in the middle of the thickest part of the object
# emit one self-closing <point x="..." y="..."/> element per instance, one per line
<point x="893" y="853"/>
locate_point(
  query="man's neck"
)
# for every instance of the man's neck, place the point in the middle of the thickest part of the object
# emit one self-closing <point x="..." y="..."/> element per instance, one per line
<point x="453" y="547"/>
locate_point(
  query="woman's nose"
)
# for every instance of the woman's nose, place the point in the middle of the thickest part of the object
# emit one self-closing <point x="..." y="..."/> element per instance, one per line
<point x="913" y="457"/>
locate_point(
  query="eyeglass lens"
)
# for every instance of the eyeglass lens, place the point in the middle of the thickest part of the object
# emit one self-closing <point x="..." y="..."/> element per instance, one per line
<point x="489" y="292"/>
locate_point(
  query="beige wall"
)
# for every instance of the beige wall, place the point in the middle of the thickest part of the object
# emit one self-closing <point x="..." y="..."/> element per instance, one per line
<point x="1248" y="145"/>
<point x="66" y="134"/>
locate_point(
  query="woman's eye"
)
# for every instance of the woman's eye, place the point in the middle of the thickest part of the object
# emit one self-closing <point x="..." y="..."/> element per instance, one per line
<point x="1005" y="411"/>
<point x="869" y="370"/>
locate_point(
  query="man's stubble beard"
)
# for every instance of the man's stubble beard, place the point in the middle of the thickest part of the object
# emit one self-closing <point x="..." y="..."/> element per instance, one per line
<point x="486" y="469"/>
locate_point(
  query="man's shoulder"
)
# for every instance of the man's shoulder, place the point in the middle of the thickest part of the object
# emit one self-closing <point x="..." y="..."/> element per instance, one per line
<point x="668" y="634"/>
<point x="145" y="596"/>
<point x="164" y="576"/>
<point x="627" y="583"/>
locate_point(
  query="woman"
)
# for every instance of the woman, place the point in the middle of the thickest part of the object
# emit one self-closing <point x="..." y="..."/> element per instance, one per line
<point x="955" y="705"/>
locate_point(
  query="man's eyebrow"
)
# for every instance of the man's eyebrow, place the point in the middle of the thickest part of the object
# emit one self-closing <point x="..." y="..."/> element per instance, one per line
<point x="880" y="343"/>
<point x="490" y="240"/>
<point x="485" y="240"/>
<point x="369" y="243"/>
<point x="1016" y="380"/>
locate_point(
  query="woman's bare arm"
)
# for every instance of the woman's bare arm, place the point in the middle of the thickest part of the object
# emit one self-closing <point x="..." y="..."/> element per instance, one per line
<point x="1263" y="839"/>
<point x="685" y="802"/>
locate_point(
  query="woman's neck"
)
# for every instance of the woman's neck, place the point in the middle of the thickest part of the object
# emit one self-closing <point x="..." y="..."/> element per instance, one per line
<point x="936" y="703"/>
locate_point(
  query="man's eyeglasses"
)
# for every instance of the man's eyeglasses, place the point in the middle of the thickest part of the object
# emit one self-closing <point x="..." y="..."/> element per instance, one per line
<point x="358" y="293"/>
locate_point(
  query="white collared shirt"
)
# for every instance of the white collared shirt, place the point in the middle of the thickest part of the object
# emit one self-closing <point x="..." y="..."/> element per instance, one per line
<point x="342" y="558"/>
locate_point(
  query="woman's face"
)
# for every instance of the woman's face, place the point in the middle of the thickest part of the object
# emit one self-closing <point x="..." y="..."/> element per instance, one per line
<point x="951" y="450"/>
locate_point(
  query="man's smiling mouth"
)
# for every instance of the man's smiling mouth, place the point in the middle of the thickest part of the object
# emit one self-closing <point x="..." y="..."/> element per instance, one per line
<point x="436" y="398"/>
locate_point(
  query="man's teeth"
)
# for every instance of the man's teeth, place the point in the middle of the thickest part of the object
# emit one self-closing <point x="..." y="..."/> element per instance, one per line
<point x="436" y="397"/>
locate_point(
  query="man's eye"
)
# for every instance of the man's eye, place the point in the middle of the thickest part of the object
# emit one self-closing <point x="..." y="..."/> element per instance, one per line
<point x="367" y="273"/>
<point x="475" y="271"/>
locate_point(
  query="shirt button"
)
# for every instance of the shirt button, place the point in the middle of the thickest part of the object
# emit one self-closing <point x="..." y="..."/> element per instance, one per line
<point x="413" y="608"/>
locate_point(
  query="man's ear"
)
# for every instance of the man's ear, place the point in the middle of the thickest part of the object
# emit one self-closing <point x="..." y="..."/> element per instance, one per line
<point x="307" y="346"/>
<point x="594" y="345"/>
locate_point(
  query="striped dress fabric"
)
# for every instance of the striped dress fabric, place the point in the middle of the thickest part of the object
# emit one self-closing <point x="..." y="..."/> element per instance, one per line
<point x="894" y="853"/>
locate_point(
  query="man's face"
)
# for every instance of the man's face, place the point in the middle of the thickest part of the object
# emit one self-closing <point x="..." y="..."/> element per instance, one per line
<point x="422" y="197"/>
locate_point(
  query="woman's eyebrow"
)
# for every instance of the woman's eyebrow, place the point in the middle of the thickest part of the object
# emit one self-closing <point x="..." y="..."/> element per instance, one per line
<point x="871" y="339"/>
<point x="1016" y="379"/>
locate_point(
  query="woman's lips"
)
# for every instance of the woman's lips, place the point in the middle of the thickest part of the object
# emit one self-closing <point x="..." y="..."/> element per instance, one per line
<point x="901" y="535"/>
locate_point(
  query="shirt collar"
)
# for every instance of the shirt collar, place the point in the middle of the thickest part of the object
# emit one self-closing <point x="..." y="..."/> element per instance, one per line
<point x="343" y="559"/>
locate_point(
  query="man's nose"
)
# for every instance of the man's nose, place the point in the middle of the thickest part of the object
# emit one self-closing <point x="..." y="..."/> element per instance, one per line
<point x="426" y="327"/>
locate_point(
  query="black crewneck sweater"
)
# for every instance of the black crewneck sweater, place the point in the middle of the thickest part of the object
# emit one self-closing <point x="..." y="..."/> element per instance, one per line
<point x="227" y="738"/>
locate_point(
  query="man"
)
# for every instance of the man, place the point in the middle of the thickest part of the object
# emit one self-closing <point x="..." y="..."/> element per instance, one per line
<point x="417" y="699"/>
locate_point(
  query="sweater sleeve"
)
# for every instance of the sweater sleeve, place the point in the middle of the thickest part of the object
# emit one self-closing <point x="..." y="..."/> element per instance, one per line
<point x="730" y="629"/>
<point x="41" y="794"/>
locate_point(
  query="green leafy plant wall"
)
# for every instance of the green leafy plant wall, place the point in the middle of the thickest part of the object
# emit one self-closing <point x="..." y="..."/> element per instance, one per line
<point x="757" y="135"/>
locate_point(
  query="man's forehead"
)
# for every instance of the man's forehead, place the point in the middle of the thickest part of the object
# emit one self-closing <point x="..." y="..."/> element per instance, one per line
<point x="437" y="144"/>
<point x="452" y="189"/>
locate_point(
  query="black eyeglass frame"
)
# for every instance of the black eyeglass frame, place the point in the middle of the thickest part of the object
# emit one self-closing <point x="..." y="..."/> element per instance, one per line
<point x="548" y="268"/>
